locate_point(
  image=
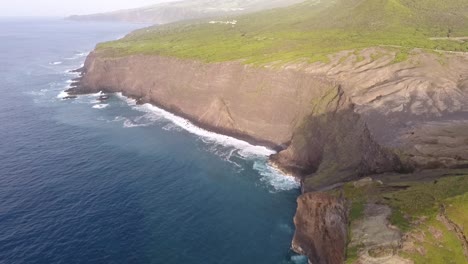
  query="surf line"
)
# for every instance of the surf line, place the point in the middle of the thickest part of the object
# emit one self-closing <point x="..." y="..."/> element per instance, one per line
<point x="245" y="147"/>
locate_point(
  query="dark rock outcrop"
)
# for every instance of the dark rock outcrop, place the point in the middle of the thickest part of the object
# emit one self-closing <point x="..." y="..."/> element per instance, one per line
<point x="333" y="144"/>
<point x="321" y="228"/>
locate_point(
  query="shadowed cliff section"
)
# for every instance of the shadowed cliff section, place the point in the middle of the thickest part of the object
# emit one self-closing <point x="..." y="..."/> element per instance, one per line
<point x="333" y="144"/>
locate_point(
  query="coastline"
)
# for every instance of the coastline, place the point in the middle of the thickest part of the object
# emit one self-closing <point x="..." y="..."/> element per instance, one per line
<point x="73" y="90"/>
<point x="321" y="106"/>
<point x="262" y="147"/>
<point x="329" y="142"/>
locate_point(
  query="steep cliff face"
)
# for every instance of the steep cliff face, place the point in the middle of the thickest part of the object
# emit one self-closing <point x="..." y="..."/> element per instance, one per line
<point x="309" y="115"/>
<point x="332" y="122"/>
<point x="321" y="228"/>
<point x="257" y="104"/>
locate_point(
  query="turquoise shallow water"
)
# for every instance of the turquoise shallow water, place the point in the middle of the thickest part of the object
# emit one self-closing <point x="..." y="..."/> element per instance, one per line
<point x="83" y="182"/>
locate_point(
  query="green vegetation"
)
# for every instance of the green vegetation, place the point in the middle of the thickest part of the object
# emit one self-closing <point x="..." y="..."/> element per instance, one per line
<point x="308" y="31"/>
<point x="415" y="211"/>
<point x="424" y="199"/>
<point x="436" y="244"/>
<point x="457" y="208"/>
<point x="352" y="254"/>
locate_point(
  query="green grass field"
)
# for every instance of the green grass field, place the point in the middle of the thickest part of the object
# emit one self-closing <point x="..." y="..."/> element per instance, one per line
<point x="416" y="201"/>
<point x="308" y="31"/>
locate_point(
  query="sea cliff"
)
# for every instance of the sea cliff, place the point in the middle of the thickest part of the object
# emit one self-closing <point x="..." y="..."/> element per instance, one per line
<point x="331" y="123"/>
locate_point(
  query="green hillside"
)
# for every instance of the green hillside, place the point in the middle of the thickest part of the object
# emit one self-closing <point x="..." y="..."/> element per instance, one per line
<point x="310" y="30"/>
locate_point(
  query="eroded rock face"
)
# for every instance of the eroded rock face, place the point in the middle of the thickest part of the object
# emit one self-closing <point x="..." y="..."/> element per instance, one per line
<point x="334" y="145"/>
<point x="321" y="228"/>
<point x="437" y="144"/>
<point x="256" y="104"/>
<point x="334" y="121"/>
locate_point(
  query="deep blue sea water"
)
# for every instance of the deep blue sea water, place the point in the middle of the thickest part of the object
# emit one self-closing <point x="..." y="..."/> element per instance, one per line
<point x="83" y="182"/>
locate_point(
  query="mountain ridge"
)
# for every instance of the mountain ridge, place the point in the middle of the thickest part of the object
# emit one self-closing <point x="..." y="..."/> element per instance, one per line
<point x="175" y="11"/>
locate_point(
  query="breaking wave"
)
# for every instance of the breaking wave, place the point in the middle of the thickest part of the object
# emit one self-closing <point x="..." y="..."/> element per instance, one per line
<point x="231" y="147"/>
<point x="100" y="106"/>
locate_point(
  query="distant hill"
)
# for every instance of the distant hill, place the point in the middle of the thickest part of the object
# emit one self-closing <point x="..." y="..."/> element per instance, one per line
<point x="164" y="13"/>
<point x="310" y="30"/>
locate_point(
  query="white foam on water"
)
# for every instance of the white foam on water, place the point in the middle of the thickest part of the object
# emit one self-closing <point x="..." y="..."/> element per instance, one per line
<point x="78" y="55"/>
<point x="299" y="259"/>
<point x="97" y="94"/>
<point x="172" y="127"/>
<point x="278" y="180"/>
<point x="100" y="106"/>
<point x="72" y="73"/>
<point x="62" y="95"/>
<point x="245" y="150"/>
<point x="129" y="124"/>
<point x="56" y="63"/>
<point x="41" y="92"/>
<point x="129" y="101"/>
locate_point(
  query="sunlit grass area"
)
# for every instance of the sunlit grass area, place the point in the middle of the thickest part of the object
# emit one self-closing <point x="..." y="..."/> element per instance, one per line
<point x="311" y="31"/>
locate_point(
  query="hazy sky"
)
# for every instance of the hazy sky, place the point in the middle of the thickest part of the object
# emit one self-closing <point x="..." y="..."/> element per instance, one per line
<point x="67" y="7"/>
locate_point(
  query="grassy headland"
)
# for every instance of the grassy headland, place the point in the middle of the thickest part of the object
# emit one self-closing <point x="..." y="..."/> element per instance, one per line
<point x="418" y="210"/>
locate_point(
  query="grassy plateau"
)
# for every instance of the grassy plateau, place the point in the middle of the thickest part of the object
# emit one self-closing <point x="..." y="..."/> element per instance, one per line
<point x="308" y="31"/>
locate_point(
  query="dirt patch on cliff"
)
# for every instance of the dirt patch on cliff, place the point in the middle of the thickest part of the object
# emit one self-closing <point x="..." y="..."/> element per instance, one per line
<point x="377" y="241"/>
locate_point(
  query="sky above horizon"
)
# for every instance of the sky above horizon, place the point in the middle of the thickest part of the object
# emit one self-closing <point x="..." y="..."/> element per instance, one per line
<point x="67" y="7"/>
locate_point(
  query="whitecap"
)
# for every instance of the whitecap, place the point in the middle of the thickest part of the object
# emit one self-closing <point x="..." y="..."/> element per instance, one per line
<point x="246" y="148"/>
<point x="100" y="106"/>
<point x="228" y="146"/>
<point x="97" y="94"/>
<point x="62" y="95"/>
<point x="72" y="72"/>
<point x="38" y="93"/>
<point x="130" y="124"/>
<point x="129" y="101"/>
<point x="56" y="63"/>
<point x="78" y="55"/>
<point x="278" y="180"/>
<point x="171" y="127"/>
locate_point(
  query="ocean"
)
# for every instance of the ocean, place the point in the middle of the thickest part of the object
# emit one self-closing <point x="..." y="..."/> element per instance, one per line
<point x="83" y="181"/>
